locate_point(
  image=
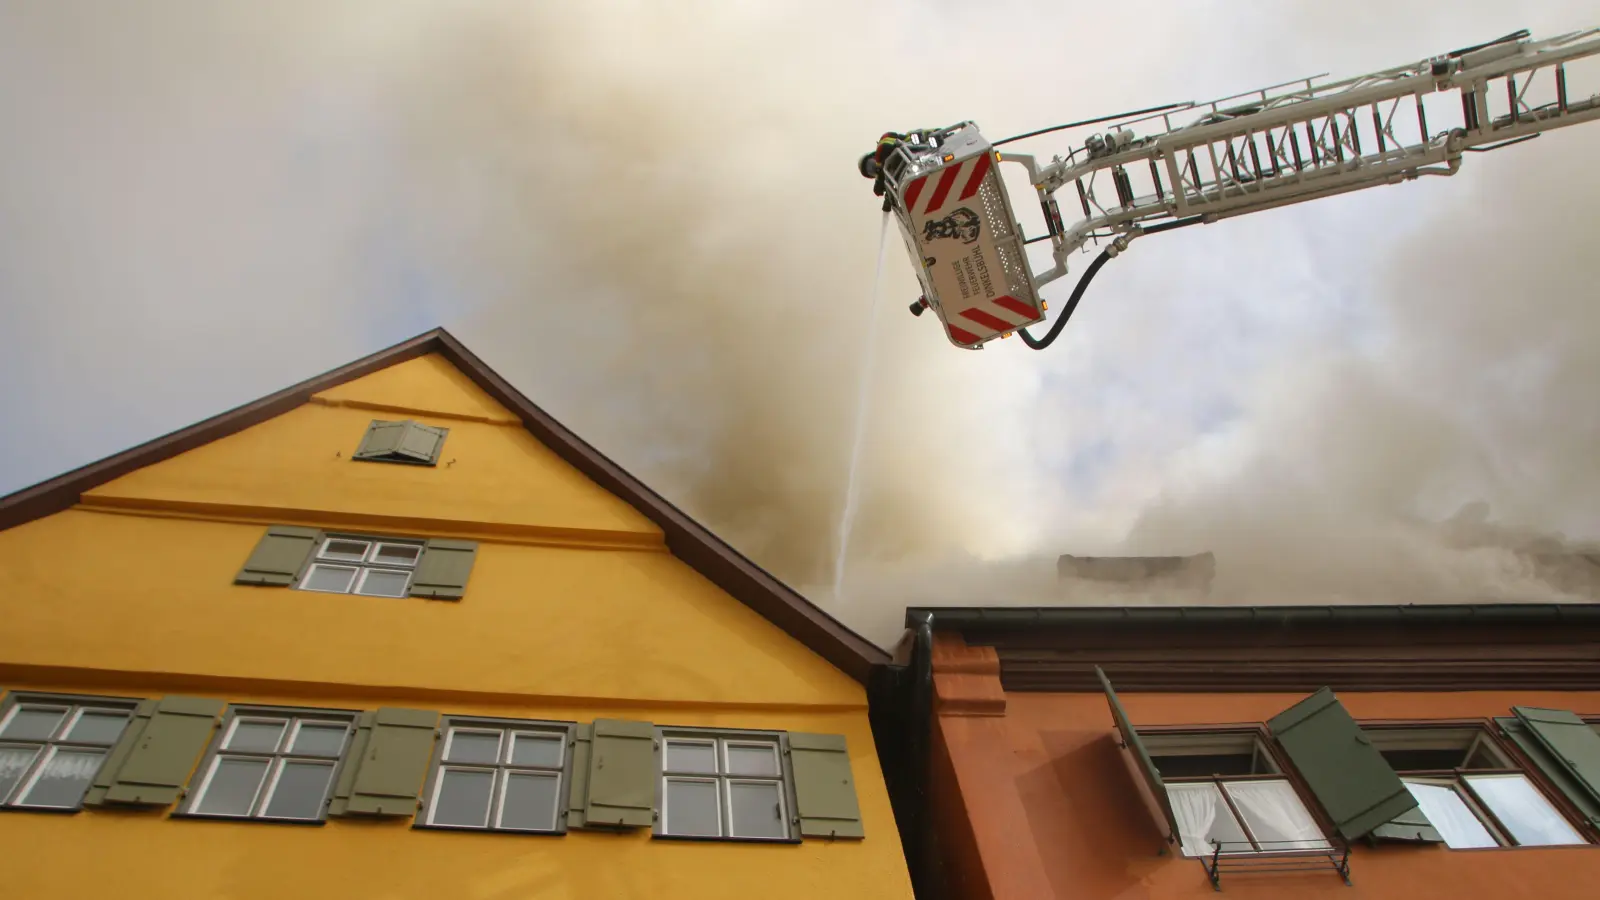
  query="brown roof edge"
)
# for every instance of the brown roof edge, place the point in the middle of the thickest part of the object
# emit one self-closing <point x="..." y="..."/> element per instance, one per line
<point x="693" y="543"/>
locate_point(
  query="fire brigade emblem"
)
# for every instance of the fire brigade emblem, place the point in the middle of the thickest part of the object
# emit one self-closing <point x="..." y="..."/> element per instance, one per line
<point x="962" y="224"/>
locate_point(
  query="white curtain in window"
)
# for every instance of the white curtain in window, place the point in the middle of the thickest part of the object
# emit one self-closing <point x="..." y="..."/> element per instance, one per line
<point x="1450" y="816"/>
<point x="1275" y="815"/>
<point x="1523" y="810"/>
<point x="1195" y="806"/>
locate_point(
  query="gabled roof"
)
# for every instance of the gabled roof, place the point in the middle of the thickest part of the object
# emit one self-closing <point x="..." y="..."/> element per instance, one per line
<point x="687" y="539"/>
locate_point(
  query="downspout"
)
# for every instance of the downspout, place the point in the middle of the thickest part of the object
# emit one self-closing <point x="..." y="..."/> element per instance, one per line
<point x="926" y="880"/>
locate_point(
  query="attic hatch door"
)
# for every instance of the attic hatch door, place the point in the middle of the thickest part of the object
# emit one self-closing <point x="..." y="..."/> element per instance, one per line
<point x="1146" y="776"/>
<point x="402" y="442"/>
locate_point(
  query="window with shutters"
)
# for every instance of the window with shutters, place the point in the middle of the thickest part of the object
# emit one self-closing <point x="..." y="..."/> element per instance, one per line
<point x="1229" y="794"/>
<point x="1469" y="789"/>
<point x="725" y="785"/>
<point x="500" y="775"/>
<point x="52" y="746"/>
<point x="406" y="442"/>
<point x="352" y="564"/>
<point x="271" y="763"/>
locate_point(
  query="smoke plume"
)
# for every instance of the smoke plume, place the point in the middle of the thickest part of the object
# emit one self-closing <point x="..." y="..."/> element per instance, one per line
<point x="646" y="215"/>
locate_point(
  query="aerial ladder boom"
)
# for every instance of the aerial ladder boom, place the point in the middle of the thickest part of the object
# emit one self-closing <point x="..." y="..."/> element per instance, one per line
<point x="1281" y="145"/>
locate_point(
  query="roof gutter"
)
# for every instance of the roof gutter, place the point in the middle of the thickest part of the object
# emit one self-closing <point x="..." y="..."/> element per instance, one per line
<point x="1141" y="617"/>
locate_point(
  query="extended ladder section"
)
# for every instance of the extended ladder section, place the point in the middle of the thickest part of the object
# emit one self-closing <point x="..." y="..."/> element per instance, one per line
<point x="1302" y="140"/>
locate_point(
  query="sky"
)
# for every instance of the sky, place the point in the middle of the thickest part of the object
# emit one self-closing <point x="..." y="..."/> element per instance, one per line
<point x="647" y="217"/>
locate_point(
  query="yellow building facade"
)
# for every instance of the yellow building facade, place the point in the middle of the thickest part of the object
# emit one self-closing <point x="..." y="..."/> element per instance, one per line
<point x="396" y="633"/>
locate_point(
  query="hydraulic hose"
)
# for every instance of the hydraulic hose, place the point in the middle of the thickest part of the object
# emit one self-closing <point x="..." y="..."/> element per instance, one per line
<point x="1083" y="285"/>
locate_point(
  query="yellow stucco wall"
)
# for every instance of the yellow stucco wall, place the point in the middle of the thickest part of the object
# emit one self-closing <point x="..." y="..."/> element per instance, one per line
<point x="575" y="610"/>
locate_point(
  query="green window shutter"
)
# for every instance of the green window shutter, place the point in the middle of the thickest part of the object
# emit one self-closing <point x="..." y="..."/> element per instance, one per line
<point x="622" y="775"/>
<point x="1141" y="755"/>
<point x="443" y="571"/>
<point x="1571" y="746"/>
<point x="578" y="788"/>
<point x="381" y="440"/>
<point x="392" y="764"/>
<point x="165" y="741"/>
<point x="824" y="789"/>
<point x="402" y="442"/>
<point x="106" y="777"/>
<point x="340" y="802"/>
<point x="1347" y="774"/>
<point x="279" y="556"/>
<point x="1411" y="826"/>
<point x="422" y="442"/>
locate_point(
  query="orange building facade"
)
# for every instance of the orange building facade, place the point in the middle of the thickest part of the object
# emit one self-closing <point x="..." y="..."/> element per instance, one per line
<point x="1354" y="752"/>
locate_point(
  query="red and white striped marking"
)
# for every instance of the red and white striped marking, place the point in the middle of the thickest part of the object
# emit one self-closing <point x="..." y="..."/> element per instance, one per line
<point x="976" y="168"/>
<point x="998" y="315"/>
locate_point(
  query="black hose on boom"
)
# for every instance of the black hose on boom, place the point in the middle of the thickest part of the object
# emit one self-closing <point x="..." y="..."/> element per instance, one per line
<point x="1083" y="285"/>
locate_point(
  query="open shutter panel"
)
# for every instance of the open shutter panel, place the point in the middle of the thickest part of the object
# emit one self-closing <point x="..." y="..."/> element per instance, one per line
<point x="279" y="556"/>
<point x="622" y="775"/>
<point x="443" y="571"/>
<point x="1348" y="775"/>
<point x="382" y="439"/>
<point x="340" y="802"/>
<point x="1412" y="826"/>
<point x="1554" y="769"/>
<point x="1572" y="745"/>
<point x="171" y="738"/>
<point x="421" y="443"/>
<point x="393" y="763"/>
<point x="106" y="777"/>
<point x="824" y="788"/>
<point x="1143" y="764"/>
<point x="578" y="787"/>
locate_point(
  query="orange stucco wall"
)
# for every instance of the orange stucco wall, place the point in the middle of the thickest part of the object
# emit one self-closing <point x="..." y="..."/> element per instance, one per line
<point x="1055" y="812"/>
<point x="575" y="610"/>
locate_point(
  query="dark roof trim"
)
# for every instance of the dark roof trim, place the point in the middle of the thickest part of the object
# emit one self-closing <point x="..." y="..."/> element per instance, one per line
<point x="1000" y="617"/>
<point x="688" y="540"/>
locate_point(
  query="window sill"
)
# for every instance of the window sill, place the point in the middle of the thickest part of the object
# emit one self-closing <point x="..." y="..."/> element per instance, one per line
<point x="254" y="820"/>
<point x="560" y="832"/>
<point x="701" y="838"/>
<point x="56" y="810"/>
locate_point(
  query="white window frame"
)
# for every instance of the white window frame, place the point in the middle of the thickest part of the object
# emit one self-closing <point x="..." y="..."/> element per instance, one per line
<point x="279" y="758"/>
<point x="723" y="780"/>
<point x="45" y="749"/>
<point x="500" y="771"/>
<point x="363" y="567"/>
<point x="1206" y="742"/>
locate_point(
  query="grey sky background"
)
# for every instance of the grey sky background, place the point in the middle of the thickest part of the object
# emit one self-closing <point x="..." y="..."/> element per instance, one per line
<point x="647" y="217"/>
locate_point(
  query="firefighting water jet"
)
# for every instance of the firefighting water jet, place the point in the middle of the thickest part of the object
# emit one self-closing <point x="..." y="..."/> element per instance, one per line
<point x="847" y="517"/>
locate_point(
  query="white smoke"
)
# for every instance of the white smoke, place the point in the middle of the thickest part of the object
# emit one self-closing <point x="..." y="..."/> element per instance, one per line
<point x="646" y="215"/>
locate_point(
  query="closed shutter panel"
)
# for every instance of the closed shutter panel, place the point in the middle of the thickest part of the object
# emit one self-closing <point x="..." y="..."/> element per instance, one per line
<point x="1145" y="766"/>
<point x="824" y="788"/>
<point x="421" y="443"/>
<point x="578" y="786"/>
<point x="382" y="439"/>
<point x="622" y="775"/>
<point x="1349" y="777"/>
<point x="172" y="738"/>
<point x="106" y="777"/>
<point x="393" y="764"/>
<point x="352" y="763"/>
<point x="1572" y="745"/>
<point x="279" y="556"/>
<point x="443" y="571"/>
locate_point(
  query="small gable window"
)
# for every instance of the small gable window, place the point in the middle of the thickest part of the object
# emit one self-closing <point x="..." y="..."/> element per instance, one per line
<point x="309" y="559"/>
<point x="354" y="565"/>
<point x="401" y="442"/>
